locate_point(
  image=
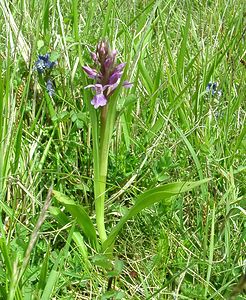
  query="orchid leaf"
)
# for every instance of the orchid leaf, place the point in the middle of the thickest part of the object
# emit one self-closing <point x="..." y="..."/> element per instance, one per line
<point x="148" y="198"/>
<point x="81" y="216"/>
<point x="63" y="220"/>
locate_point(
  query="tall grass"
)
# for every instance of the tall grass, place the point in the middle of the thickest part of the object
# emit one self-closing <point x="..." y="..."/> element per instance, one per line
<point x="168" y="129"/>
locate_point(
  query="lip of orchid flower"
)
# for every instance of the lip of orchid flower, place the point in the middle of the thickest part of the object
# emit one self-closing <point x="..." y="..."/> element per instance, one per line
<point x="99" y="99"/>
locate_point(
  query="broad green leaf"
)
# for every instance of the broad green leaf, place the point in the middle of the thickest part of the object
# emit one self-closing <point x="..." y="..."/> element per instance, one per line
<point x="62" y="219"/>
<point x="117" y="270"/>
<point x="103" y="261"/>
<point x="78" y="212"/>
<point x="149" y="198"/>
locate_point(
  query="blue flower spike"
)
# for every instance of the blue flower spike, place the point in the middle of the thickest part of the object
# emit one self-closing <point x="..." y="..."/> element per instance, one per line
<point x="44" y="63"/>
<point x="212" y="88"/>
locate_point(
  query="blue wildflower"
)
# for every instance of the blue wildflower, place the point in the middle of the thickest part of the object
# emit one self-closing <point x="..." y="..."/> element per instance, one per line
<point x="43" y="62"/>
<point x="212" y="87"/>
<point x="50" y="88"/>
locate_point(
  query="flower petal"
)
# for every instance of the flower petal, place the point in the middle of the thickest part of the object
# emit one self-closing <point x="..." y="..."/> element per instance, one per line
<point x="127" y="84"/>
<point x="115" y="77"/>
<point x="50" y="88"/>
<point x="40" y="66"/>
<point x="108" y="64"/>
<point x="90" y="86"/>
<point x="97" y="87"/>
<point x="119" y="68"/>
<point x="94" y="57"/>
<point x="214" y="86"/>
<point x="99" y="100"/>
<point x="92" y="73"/>
<point x="208" y="87"/>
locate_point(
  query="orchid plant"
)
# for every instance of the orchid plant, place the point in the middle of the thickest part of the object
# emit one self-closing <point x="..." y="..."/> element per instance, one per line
<point x="108" y="79"/>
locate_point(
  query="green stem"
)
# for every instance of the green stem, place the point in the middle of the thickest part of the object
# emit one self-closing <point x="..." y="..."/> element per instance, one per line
<point x="102" y="175"/>
<point x="99" y="204"/>
<point x="108" y="114"/>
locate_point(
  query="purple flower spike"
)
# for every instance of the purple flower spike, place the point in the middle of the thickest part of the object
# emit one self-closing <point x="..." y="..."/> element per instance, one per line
<point x="107" y="77"/>
<point x="102" y="51"/>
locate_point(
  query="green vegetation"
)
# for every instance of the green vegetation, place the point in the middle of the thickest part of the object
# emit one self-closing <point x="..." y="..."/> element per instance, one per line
<point x="175" y="203"/>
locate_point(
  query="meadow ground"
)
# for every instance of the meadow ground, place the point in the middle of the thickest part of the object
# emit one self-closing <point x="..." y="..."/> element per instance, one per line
<point x="183" y="120"/>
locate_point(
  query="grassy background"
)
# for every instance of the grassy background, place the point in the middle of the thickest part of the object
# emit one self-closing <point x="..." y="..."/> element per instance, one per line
<point x="168" y="129"/>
